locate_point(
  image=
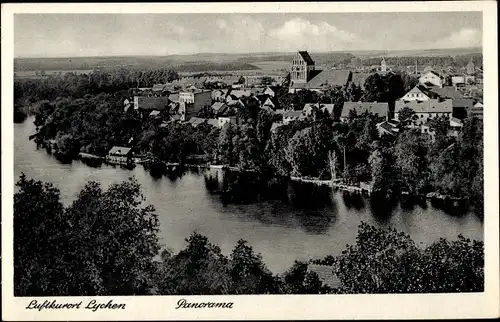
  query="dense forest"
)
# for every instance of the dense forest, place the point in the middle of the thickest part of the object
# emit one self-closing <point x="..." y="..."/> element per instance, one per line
<point x="105" y="243"/>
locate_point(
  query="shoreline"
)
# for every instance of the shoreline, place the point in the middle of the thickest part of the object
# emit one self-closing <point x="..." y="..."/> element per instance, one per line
<point x="362" y="188"/>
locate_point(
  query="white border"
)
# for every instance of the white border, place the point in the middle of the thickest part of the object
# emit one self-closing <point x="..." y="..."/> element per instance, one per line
<point x="260" y="307"/>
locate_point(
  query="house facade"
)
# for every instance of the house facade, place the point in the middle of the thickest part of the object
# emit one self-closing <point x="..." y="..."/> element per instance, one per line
<point x="303" y="75"/>
<point x="119" y="155"/>
<point x="425" y="110"/>
<point x="380" y="109"/>
<point x="151" y="103"/>
<point x="290" y="116"/>
<point x="431" y="77"/>
<point x="190" y="103"/>
<point x="417" y="93"/>
<point x="477" y="110"/>
<point x="302" y="65"/>
<point x="223" y="120"/>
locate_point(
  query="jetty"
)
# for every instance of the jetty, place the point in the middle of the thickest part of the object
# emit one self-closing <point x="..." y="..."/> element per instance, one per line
<point x="89" y="156"/>
<point x="336" y="183"/>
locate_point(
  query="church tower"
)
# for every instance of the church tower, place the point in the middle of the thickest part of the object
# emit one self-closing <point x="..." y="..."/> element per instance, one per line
<point x="470" y="67"/>
<point x="302" y="65"/>
<point x="383" y="66"/>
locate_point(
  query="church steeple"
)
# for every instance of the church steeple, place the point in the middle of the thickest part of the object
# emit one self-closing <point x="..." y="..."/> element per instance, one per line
<point x="470" y="67"/>
<point x="383" y="65"/>
<point x="302" y="66"/>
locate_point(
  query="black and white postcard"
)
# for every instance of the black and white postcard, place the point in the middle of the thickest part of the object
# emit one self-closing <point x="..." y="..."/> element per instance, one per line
<point x="249" y="161"/>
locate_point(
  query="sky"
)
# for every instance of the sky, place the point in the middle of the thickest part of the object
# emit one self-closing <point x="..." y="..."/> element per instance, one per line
<point x="63" y="35"/>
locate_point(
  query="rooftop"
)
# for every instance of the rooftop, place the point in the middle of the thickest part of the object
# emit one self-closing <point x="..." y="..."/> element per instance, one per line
<point x="306" y="57"/>
<point x="118" y="150"/>
<point x="320" y="78"/>
<point x="430" y="106"/>
<point x="381" y="108"/>
<point x="292" y="114"/>
<point x="325" y="274"/>
<point x="152" y="102"/>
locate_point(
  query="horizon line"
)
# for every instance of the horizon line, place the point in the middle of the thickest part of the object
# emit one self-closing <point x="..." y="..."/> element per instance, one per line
<point x="247" y="53"/>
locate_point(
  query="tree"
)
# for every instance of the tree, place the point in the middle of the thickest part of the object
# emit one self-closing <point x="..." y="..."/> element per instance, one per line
<point x="198" y="269"/>
<point x="387" y="261"/>
<point x="249" y="274"/>
<point x="410" y="153"/>
<point x="266" y="80"/>
<point x="102" y="244"/>
<point x="39" y="241"/>
<point x="375" y="89"/>
<point x="384" y="180"/>
<point x="406" y="117"/>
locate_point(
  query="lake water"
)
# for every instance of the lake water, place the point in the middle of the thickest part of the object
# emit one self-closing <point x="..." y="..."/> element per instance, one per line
<point x="306" y="222"/>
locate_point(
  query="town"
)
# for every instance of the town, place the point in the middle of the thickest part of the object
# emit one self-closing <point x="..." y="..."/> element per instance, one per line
<point x="323" y="157"/>
<point x="215" y="100"/>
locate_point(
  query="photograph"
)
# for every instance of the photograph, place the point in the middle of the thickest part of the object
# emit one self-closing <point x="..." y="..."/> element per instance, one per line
<point x="247" y="153"/>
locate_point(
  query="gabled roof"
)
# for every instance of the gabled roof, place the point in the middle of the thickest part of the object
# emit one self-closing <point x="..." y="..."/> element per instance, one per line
<point x="320" y="78"/>
<point x="455" y="122"/>
<point x="219" y="106"/>
<point x="119" y="150"/>
<point x="152" y="103"/>
<point x="467" y="103"/>
<point x="446" y="92"/>
<point x="213" y="122"/>
<point x="257" y="90"/>
<point x="241" y="93"/>
<point x="430" y="106"/>
<point x="328" y="107"/>
<point x="154" y="113"/>
<point x="195" y="121"/>
<point x="161" y="87"/>
<point x="292" y="114"/>
<point x="174" y="97"/>
<point x="418" y="89"/>
<point x="306" y="57"/>
<point x="360" y="78"/>
<point x="380" y="108"/>
<point x="388" y="127"/>
<point x="431" y="71"/>
<point x="325" y="274"/>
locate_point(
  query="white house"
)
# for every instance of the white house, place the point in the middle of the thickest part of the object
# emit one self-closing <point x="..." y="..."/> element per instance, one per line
<point x="226" y="119"/>
<point x="417" y="93"/>
<point x="290" y="116"/>
<point x="425" y="110"/>
<point x="431" y="77"/>
<point x="269" y="91"/>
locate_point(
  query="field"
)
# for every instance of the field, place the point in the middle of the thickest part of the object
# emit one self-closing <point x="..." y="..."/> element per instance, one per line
<point x="248" y="64"/>
<point x="273" y="65"/>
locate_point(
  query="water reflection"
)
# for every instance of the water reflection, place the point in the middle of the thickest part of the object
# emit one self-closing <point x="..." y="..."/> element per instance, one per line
<point x="282" y="220"/>
<point x="382" y="208"/>
<point x="353" y="200"/>
<point x="308" y="195"/>
<point x="455" y="208"/>
<point x="317" y="222"/>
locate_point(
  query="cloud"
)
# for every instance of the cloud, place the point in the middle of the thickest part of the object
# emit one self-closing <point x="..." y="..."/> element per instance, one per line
<point x="246" y="34"/>
<point x="465" y="37"/>
<point x="321" y="36"/>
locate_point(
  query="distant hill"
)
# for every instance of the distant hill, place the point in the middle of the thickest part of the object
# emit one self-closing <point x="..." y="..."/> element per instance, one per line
<point x="217" y="61"/>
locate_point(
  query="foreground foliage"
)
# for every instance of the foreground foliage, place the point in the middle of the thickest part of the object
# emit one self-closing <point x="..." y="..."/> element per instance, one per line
<point x="106" y="243"/>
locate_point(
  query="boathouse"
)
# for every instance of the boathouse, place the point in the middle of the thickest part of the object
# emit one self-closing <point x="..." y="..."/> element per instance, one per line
<point x="119" y="155"/>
